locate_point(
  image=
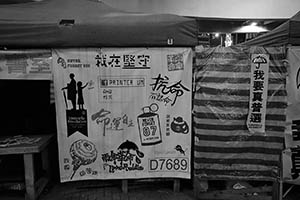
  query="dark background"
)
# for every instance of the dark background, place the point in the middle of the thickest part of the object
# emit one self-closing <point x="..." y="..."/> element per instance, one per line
<point x="26" y="110"/>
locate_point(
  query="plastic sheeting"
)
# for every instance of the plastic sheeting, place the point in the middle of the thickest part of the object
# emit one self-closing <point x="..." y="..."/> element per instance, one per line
<point x="291" y="155"/>
<point x="224" y="147"/>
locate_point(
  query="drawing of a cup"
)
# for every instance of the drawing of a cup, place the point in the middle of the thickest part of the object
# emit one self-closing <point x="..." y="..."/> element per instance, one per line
<point x="149" y="125"/>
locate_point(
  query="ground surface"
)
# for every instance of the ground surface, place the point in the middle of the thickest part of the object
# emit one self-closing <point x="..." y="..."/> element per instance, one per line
<point x="111" y="190"/>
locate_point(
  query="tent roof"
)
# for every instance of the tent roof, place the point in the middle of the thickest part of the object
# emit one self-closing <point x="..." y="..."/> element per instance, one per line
<point x="286" y="33"/>
<point x="89" y="23"/>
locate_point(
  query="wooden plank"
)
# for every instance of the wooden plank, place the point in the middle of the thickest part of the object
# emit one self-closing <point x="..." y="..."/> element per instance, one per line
<point x="216" y="196"/>
<point x="27" y="148"/>
<point x="280" y="189"/>
<point x="242" y="194"/>
<point x="276" y="188"/>
<point x="125" y="186"/>
<point x="176" y="185"/>
<point x="46" y="139"/>
<point x="29" y="177"/>
<point x="45" y="162"/>
<point x="40" y="185"/>
<point x="287" y="191"/>
<point x="266" y="192"/>
<point x="262" y="189"/>
<point x="237" y="178"/>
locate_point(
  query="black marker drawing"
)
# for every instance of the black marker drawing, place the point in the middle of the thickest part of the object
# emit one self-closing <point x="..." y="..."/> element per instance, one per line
<point x="179" y="125"/>
<point x="71" y="92"/>
<point x="112" y="123"/>
<point x="76" y="118"/>
<point x="259" y="60"/>
<point x="128" y="145"/>
<point x="62" y="62"/>
<point x="175" y="62"/>
<point x="98" y="115"/>
<point x="80" y="100"/>
<point x="179" y="149"/>
<point x="88" y="171"/>
<point x="91" y="84"/>
<point x="149" y="125"/>
<point x="126" y="61"/>
<point x="127" y="158"/>
<point x="161" y="84"/>
<point x="160" y="98"/>
<point x="83" y="152"/>
<point x="168" y="119"/>
<point x="298" y="78"/>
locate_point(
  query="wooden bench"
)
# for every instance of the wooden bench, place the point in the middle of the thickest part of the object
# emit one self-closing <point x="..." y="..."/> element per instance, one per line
<point x="40" y="145"/>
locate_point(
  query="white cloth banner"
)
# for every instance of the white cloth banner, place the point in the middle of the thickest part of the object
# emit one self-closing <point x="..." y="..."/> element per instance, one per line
<point x="26" y="64"/>
<point x="258" y="92"/>
<point x="123" y="113"/>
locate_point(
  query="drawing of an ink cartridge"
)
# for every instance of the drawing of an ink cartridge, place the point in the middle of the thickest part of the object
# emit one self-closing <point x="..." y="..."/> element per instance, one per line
<point x="149" y="125"/>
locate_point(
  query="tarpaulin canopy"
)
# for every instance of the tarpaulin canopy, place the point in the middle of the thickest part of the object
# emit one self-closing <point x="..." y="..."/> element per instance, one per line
<point x="287" y="33"/>
<point x="89" y="23"/>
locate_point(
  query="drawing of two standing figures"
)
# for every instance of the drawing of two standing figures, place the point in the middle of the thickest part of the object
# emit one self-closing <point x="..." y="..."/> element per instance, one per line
<point x="74" y="93"/>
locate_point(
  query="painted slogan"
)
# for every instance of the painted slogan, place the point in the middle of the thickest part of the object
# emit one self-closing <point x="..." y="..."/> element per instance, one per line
<point x="26" y="64"/>
<point x="123" y="113"/>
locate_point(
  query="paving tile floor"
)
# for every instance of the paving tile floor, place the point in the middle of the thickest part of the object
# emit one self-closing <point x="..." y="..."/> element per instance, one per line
<point x="111" y="190"/>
